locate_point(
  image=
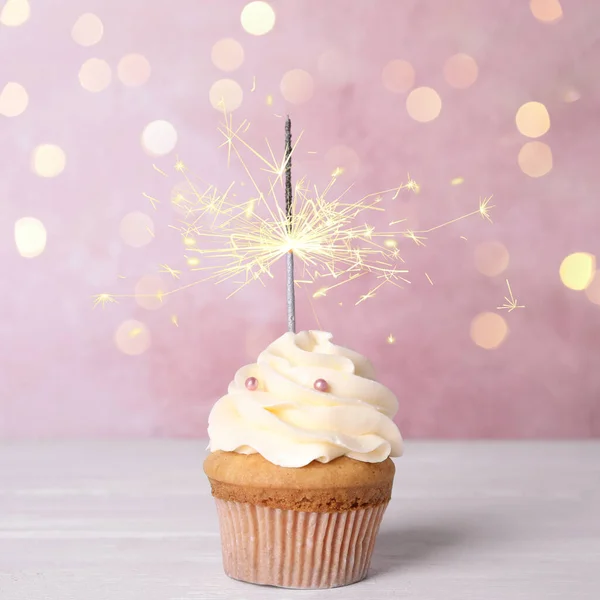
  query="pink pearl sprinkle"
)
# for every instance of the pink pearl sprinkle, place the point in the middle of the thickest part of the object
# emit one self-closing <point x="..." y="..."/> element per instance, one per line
<point x="321" y="385"/>
<point x="251" y="383"/>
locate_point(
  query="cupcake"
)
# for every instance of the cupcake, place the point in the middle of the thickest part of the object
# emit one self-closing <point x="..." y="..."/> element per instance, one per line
<point x="300" y="466"/>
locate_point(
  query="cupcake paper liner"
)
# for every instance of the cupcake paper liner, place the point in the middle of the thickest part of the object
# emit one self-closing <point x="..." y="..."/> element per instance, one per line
<point x="293" y="549"/>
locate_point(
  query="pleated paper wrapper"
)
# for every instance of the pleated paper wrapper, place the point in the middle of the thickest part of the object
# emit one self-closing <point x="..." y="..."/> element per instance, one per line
<point x="294" y="549"/>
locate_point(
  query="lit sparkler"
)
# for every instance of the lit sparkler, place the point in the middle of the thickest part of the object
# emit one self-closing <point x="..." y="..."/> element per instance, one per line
<point x="330" y="235"/>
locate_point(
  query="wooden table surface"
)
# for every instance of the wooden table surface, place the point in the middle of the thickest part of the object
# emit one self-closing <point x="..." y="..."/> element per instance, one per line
<point x="135" y="521"/>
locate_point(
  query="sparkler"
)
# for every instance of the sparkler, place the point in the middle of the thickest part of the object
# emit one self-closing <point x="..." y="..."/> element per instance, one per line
<point x="289" y="215"/>
<point x="239" y="233"/>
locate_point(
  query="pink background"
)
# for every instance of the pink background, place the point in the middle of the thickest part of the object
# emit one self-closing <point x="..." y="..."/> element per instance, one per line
<point x="61" y="373"/>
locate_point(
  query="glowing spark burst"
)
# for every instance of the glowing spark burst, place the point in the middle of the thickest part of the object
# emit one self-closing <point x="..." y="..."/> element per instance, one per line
<point x="412" y="185"/>
<point x="391" y="339"/>
<point x="104" y="299"/>
<point x="238" y="234"/>
<point x="510" y="302"/>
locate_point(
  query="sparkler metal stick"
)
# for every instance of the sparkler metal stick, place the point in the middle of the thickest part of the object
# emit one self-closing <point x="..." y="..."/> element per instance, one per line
<point x="289" y="212"/>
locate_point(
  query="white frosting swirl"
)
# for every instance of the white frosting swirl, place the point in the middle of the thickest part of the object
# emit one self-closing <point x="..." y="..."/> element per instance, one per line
<point x="290" y="423"/>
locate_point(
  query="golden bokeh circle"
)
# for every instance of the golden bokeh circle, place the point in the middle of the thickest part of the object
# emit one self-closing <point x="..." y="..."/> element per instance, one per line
<point x="258" y="18"/>
<point x="15" y="13"/>
<point x="13" y="99"/>
<point x="30" y="237"/>
<point x="297" y="86"/>
<point x="136" y="229"/>
<point x="133" y="70"/>
<point x="423" y="104"/>
<point x="535" y="159"/>
<point x="398" y="76"/>
<point x="149" y="292"/>
<point x="488" y="330"/>
<point x="227" y="54"/>
<point x="577" y="270"/>
<point x="533" y="119"/>
<point x="547" y="11"/>
<point x="48" y="160"/>
<point x="87" y="30"/>
<point x="132" y="337"/>
<point x="95" y="75"/>
<point x="226" y="94"/>
<point x="592" y="291"/>
<point x="461" y="71"/>
<point x="491" y="258"/>
<point x="159" y="138"/>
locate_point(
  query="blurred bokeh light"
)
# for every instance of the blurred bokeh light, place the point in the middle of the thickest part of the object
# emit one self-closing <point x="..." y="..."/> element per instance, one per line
<point x="15" y="13"/>
<point x="159" y="138"/>
<point x="30" y="237"/>
<point x="95" y="75"/>
<point x="132" y="337"/>
<point x="258" y="18"/>
<point x="133" y="70"/>
<point x="48" y="160"/>
<point x="423" y="104"/>
<point x="491" y="258"/>
<point x="488" y="330"/>
<point x="226" y="94"/>
<point x="13" y="99"/>
<point x="227" y="54"/>
<point x="87" y="30"/>
<point x="577" y="270"/>
<point x="535" y="159"/>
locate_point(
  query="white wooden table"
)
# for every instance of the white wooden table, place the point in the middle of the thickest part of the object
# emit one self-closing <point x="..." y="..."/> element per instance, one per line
<point x="135" y="521"/>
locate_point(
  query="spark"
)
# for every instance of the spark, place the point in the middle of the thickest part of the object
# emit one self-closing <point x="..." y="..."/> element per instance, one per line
<point x="238" y="234"/>
<point x="175" y="320"/>
<point x="253" y="83"/>
<point x="173" y="272"/>
<point x="510" y="301"/>
<point x="391" y="339"/>
<point x="269" y="100"/>
<point x="366" y="296"/>
<point x="457" y="181"/>
<point x="412" y="185"/>
<point x="153" y="201"/>
<point x="462" y="237"/>
<point x="104" y="299"/>
<point x="159" y="170"/>
<point x="428" y="278"/>
<point x="417" y="239"/>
